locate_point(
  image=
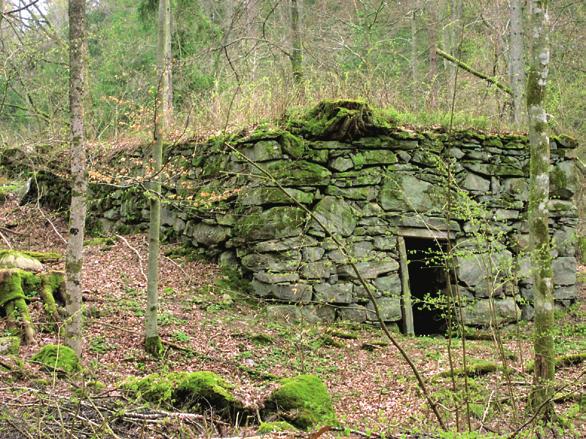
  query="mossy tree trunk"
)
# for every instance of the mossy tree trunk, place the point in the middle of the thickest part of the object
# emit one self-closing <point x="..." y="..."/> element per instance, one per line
<point x="297" y="50"/>
<point x="153" y="343"/>
<point x="12" y="298"/>
<point x="543" y="385"/>
<point x="77" y="213"/>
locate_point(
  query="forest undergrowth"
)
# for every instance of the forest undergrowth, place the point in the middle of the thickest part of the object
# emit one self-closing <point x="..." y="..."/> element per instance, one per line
<point x="208" y="324"/>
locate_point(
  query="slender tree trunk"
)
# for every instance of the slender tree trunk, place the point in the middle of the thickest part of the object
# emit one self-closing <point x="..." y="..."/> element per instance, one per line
<point x="77" y="213"/>
<point x="153" y="343"/>
<point x="414" y="58"/>
<point x="452" y="36"/>
<point x="543" y="384"/>
<point x="516" y="64"/>
<point x="297" y="51"/>
<point x="432" y="44"/>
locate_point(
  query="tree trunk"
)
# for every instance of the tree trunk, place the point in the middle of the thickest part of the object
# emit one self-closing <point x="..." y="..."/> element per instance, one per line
<point x="153" y="343"/>
<point x="453" y="29"/>
<point x="77" y="212"/>
<point x="543" y="384"/>
<point x="516" y="64"/>
<point x="414" y="59"/>
<point x="432" y="44"/>
<point x="297" y="51"/>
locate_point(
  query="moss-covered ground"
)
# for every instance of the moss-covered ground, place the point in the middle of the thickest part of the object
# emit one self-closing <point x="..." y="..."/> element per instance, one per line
<point x="207" y="324"/>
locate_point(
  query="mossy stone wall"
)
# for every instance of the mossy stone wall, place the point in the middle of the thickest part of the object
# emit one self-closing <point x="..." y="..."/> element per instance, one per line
<point x="367" y="181"/>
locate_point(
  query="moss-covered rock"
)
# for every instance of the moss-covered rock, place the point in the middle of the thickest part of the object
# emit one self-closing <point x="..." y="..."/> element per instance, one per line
<point x="185" y="390"/>
<point x="57" y="358"/>
<point x="303" y="401"/>
<point x="336" y="216"/>
<point x="278" y="222"/>
<point x="299" y="173"/>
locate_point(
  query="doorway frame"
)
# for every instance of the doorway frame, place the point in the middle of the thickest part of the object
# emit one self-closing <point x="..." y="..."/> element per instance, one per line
<point x="407" y="322"/>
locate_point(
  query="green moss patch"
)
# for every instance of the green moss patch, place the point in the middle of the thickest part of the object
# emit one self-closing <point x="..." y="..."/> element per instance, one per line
<point x="57" y="358"/>
<point x="185" y="390"/>
<point x="303" y="401"/>
<point x="275" y="427"/>
<point x="474" y="368"/>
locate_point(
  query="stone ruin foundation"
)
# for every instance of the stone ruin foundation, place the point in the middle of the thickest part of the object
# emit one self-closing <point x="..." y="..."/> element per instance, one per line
<point x="389" y="194"/>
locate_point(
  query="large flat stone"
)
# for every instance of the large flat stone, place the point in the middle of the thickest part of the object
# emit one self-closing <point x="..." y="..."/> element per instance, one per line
<point x="479" y="313"/>
<point x="369" y="270"/>
<point x="297" y="292"/>
<point x="389" y="307"/>
<point x="406" y="193"/>
<point x="564" y="271"/>
<point x="340" y="292"/>
<point x="336" y="215"/>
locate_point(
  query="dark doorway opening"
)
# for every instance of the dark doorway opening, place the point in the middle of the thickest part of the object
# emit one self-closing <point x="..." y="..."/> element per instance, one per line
<point x="428" y="284"/>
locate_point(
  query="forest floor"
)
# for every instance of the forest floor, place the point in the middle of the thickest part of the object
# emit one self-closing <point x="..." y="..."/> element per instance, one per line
<point x="207" y="324"/>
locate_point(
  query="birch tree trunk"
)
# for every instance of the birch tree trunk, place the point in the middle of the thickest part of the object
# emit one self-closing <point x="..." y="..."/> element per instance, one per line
<point x="516" y="64"/>
<point x="163" y="116"/>
<point x="77" y="212"/>
<point x="297" y="51"/>
<point x="543" y="383"/>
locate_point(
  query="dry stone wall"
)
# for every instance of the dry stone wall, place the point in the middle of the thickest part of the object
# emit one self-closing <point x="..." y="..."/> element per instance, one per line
<point x="367" y="182"/>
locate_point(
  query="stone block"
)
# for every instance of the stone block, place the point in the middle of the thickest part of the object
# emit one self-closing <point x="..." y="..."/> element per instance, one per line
<point x="353" y="313"/>
<point x="479" y="313"/>
<point x="336" y="215"/>
<point x="296" y="293"/>
<point x="564" y="271"/>
<point x="275" y="262"/>
<point x="206" y="234"/>
<point x="340" y="292"/>
<point x="389" y="307"/>
<point x="370" y="269"/>
<point x="317" y="270"/>
<point x="475" y="183"/>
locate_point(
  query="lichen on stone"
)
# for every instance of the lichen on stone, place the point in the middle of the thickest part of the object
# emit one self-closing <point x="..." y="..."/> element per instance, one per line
<point x="19" y="260"/>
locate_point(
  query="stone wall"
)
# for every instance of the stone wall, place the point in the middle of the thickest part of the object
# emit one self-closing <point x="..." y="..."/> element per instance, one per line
<point x="367" y="182"/>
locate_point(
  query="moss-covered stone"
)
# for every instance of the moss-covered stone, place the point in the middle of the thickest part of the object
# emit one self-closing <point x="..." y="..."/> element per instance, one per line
<point x="299" y="173"/>
<point x="278" y="222"/>
<point x="57" y="358"/>
<point x="184" y="390"/>
<point x="259" y="196"/>
<point x="303" y="401"/>
<point x="336" y="215"/>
